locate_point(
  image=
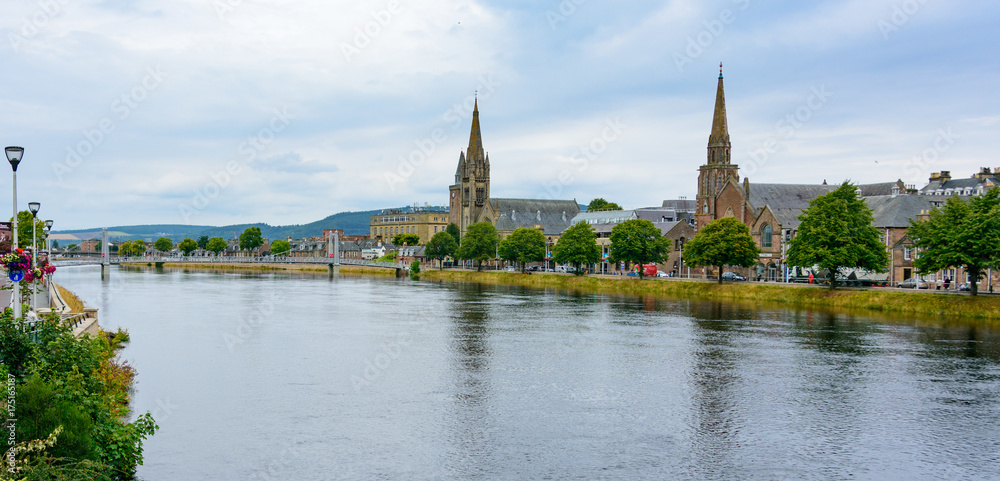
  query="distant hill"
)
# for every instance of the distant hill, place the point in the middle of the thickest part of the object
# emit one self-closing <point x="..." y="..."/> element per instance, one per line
<point x="353" y="223"/>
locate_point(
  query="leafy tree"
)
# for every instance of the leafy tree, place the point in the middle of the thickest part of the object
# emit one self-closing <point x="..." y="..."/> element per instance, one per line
<point x="203" y="242"/>
<point x="837" y="233"/>
<point x="577" y="246"/>
<point x="523" y="245"/>
<point x="97" y="247"/>
<point x="55" y="244"/>
<point x="280" y="247"/>
<point x="24" y="229"/>
<point x="960" y="234"/>
<point x="408" y="239"/>
<point x="163" y="244"/>
<point x="216" y="245"/>
<point x="440" y="246"/>
<point x="455" y="232"/>
<point x="479" y="243"/>
<point x="637" y="241"/>
<point x="125" y="249"/>
<point x="187" y="246"/>
<point x="72" y="247"/>
<point x="251" y="239"/>
<point x="138" y="247"/>
<point x="722" y="242"/>
<point x="601" y="204"/>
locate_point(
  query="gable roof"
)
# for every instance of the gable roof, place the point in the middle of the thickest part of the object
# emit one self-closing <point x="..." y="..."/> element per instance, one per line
<point x="786" y="200"/>
<point x="890" y="211"/>
<point x="553" y="215"/>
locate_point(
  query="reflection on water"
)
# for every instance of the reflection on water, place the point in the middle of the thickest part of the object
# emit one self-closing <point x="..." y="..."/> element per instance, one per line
<point x="513" y="383"/>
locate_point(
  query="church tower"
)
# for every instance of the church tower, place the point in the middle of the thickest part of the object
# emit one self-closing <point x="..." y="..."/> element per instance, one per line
<point x="719" y="169"/>
<point x="471" y="190"/>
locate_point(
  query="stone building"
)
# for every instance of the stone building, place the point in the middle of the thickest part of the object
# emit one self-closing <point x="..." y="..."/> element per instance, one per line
<point x="423" y="221"/>
<point x="676" y="226"/>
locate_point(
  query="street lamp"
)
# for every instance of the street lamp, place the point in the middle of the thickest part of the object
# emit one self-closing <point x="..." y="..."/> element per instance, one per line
<point x="33" y="207"/>
<point x="14" y="155"/>
<point x="48" y="230"/>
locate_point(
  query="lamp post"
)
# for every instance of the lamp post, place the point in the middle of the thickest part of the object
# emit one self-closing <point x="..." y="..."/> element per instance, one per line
<point x="33" y="207"/>
<point x="48" y="230"/>
<point x="14" y="155"/>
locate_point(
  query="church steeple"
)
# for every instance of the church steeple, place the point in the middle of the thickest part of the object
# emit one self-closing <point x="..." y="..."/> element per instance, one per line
<point x="475" y="152"/>
<point x="718" y="142"/>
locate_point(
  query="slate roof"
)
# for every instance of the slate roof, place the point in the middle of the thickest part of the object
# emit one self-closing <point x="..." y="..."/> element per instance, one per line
<point x="682" y="205"/>
<point x="553" y="215"/>
<point x="966" y="183"/>
<point x="786" y="200"/>
<point x="411" y="251"/>
<point x="889" y="211"/>
<point x="882" y="188"/>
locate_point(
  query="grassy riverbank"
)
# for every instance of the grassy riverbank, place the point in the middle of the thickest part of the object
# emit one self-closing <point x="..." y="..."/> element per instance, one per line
<point x="883" y="300"/>
<point x="247" y="267"/>
<point x="74" y="302"/>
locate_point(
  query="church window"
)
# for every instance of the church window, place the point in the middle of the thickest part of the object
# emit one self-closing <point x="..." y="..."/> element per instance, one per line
<point x="765" y="235"/>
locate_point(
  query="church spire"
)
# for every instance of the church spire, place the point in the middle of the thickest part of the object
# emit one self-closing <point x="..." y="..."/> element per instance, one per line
<point x="475" y="152"/>
<point x="718" y="141"/>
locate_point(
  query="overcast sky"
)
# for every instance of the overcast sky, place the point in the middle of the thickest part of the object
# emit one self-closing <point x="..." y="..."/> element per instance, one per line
<point x="286" y="111"/>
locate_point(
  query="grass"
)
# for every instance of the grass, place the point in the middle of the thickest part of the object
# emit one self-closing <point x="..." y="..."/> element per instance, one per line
<point x="877" y="300"/>
<point x="75" y="304"/>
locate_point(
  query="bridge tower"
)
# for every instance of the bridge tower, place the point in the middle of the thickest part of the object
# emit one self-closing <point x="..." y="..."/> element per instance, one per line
<point x="105" y="255"/>
<point x="333" y="250"/>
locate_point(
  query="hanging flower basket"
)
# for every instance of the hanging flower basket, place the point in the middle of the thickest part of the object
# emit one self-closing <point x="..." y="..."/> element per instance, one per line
<point x="18" y="265"/>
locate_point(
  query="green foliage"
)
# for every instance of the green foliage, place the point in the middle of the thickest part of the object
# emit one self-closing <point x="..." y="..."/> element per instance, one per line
<point x="408" y="239"/>
<point x="577" y="246"/>
<point x="836" y="233"/>
<point x="41" y="411"/>
<point x="637" y="241"/>
<point x="479" y="243"/>
<point x="523" y="245"/>
<point x="415" y="267"/>
<point x="24" y="229"/>
<point x="251" y="239"/>
<point x="203" y="242"/>
<point x="187" y="246"/>
<point x="601" y="204"/>
<point x="16" y="348"/>
<point x="163" y="244"/>
<point x="216" y="245"/>
<point x="961" y="234"/>
<point x="72" y="247"/>
<point x="455" y="232"/>
<point x="722" y="242"/>
<point x="388" y="257"/>
<point x="138" y="247"/>
<point x="440" y="246"/>
<point x="280" y="247"/>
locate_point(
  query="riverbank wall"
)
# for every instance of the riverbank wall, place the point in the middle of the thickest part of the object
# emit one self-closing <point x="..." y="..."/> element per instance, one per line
<point x="945" y="306"/>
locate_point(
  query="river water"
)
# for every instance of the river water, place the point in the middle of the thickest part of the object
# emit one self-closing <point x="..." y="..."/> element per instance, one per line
<point x="296" y="377"/>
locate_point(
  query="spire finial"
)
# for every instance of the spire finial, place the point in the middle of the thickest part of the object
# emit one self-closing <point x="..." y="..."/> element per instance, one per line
<point x="720" y="69"/>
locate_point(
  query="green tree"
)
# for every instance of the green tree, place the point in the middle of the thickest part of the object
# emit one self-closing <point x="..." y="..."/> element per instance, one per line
<point x="251" y="239"/>
<point x="722" y="242"/>
<point x="455" y="232"/>
<point x="440" y="246"/>
<point x="837" y="233"/>
<point x="187" y="246"/>
<point x="24" y="229"/>
<point x="203" y="242"/>
<point x="163" y="244"/>
<point x="577" y="246"/>
<point x="72" y="247"/>
<point x="479" y="243"/>
<point x="139" y="247"/>
<point x="601" y="204"/>
<point x="55" y="244"/>
<point x="637" y="241"/>
<point x="960" y="234"/>
<point x="408" y="239"/>
<point x="216" y="245"/>
<point x="125" y="249"/>
<point x="523" y="245"/>
<point x="280" y="247"/>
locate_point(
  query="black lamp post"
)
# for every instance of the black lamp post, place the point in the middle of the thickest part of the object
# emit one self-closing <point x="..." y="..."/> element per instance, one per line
<point x="14" y="155"/>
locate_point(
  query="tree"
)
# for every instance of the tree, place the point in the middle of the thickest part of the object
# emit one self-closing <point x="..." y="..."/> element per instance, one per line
<point x="55" y="244"/>
<point x="440" y="246"/>
<point x="138" y="247"/>
<point x="163" y="244"/>
<point x="455" y="232"/>
<point x="216" y="245"/>
<point x="72" y="247"/>
<point x="24" y="229"/>
<point x="187" y="246"/>
<point x="836" y="233"/>
<point x="722" y="242"/>
<point x="280" y="247"/>
<point x="251" y="239"/>
<point x="577" y="246"/>
<point x="408" y="239"/>
<point x="601" y="204"/>
<point x="638" y="241"/>
<point x="523" y="245"/>
<point x="203" y="242"/>
<point x="125" y="249"/>
<point x="960" y="234"/>
<point x="479" y="243"/>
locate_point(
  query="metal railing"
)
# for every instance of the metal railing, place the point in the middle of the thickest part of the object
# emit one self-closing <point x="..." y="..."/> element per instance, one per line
<point x="235" y="260"/>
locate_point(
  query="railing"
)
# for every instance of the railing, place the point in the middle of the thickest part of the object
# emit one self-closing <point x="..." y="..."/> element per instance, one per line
<point x="250" y="260"/>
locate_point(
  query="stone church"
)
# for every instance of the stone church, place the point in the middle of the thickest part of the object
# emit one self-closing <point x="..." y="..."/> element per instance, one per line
<point x="470" y="199"/>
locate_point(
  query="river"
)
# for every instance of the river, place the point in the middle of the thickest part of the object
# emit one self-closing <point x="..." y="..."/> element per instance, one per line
<point x="296" y="377"/>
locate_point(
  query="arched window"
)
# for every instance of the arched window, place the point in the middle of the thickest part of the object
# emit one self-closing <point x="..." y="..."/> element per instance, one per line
<point x="765" y="235"/>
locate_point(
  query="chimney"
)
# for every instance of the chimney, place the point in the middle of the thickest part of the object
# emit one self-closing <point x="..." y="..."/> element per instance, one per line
<point x="945" y="175"/>
<point x="935" y="176"/>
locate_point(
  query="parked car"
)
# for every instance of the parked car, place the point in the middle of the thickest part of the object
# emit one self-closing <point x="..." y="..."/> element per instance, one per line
<point x="732" y="276"/>
<point x="632" y="274"/>
<point x="661" y="274"/>
<point x="510" y="268"/>
<point x="964" y="287"/>
<point x="913" y="283"/>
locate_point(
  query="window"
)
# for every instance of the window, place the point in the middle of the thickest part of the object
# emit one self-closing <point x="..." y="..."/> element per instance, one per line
<point x="765" y="235"/>
<point x="907" y="253"/>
